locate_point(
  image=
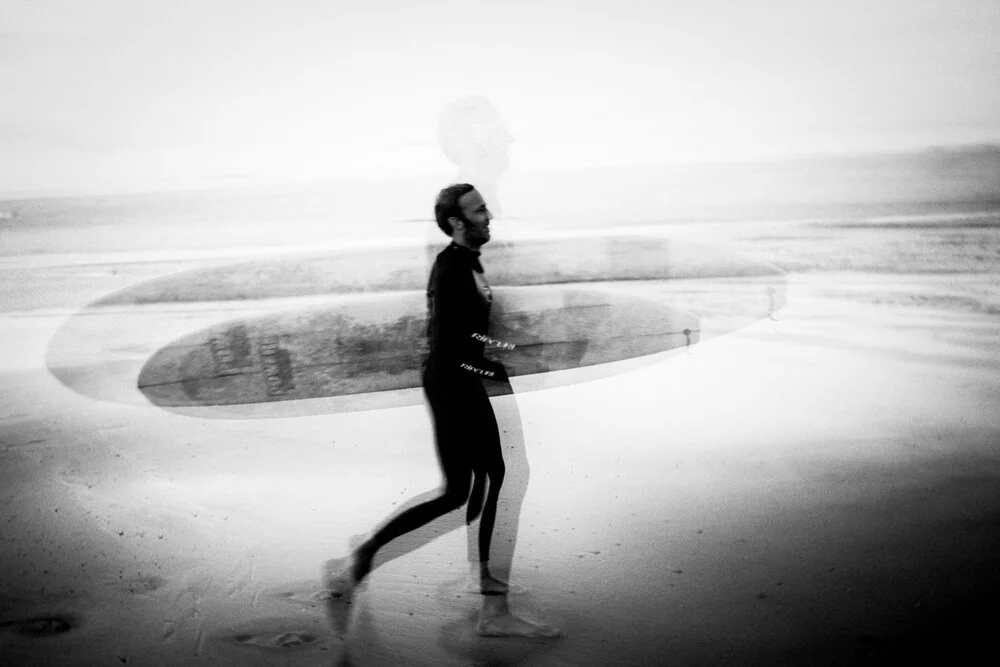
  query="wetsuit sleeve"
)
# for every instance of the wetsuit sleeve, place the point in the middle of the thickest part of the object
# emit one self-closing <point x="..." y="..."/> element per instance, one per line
<point x="457" y="342"/>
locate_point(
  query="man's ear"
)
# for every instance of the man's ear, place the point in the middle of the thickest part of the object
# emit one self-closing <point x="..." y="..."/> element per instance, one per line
<point x="455" y="223"/>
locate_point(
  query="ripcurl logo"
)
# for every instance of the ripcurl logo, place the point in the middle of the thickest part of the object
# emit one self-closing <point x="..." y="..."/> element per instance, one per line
<point x="467" y="367"/>
<point x="493" y="341"/>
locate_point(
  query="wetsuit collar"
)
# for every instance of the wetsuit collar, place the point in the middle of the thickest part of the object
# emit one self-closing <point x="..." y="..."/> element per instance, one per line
<point x="469" y="256"/>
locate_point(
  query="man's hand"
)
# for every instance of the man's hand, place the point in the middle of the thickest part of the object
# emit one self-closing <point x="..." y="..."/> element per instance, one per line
<point x="499" y="373"/>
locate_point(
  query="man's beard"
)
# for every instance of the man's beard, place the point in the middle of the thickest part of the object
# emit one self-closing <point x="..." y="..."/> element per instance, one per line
<point x="479" y="234"/>
<point x="482" y="236"/>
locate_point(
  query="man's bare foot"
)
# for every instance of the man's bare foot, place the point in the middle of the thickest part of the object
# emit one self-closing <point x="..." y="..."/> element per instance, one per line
<point x="341" y="578"/>
<point x="342" y="575"/>
<point x="495" y="620"/>
<point x="514" y="626"/>
<point x="481" y="579"/>
<point x="338" y="580"/>
<point x="338" y="593"/>
<point x="490" y="585"/>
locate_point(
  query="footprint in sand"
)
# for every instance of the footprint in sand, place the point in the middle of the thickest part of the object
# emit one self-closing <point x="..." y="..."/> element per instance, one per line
<point x="514" y="626"/>
<point x="277" y="632"/>
<point x="145" y="584"/>
<point x="335" y="599"/>
<point x="305" y="593"/>
<point x="293" y="639"/>
<point x="43" y="626"/>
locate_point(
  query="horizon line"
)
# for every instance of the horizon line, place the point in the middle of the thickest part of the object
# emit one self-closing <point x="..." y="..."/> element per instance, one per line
<point x="216" y="183"/>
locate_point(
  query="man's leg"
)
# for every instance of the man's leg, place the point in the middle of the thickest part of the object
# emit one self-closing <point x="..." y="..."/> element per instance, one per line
<point x="454" y="496"/>
<point x="477" y="497"/>
<point x="489" y="470"/>
<point x="495" y="616"/>
<point x="449" y="405"/>
<point x="487" y="583"/>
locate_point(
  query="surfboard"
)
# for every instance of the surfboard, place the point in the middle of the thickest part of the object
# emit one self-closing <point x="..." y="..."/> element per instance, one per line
<point x="541" y="261"/>
<point x="380" y="343"/>
<point x="123" y="347"/>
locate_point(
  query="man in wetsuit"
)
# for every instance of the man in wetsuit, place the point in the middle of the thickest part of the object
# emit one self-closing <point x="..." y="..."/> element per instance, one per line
<point x="465" y="427"/>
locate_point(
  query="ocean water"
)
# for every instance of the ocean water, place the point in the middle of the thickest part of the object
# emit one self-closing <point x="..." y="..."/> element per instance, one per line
<point x="960" y="187"/>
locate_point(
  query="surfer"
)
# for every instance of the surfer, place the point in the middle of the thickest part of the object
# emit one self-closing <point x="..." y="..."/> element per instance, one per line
<point x="465" y="428"/>
<point x="466" y="434"/>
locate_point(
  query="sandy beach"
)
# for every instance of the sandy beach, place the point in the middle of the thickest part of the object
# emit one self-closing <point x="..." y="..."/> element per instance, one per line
<point x="743" y="275"/>
<point x="818" y="487"/>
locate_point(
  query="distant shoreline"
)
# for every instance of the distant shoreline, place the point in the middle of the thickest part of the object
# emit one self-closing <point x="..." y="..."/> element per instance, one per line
<point x="934" y="155"/>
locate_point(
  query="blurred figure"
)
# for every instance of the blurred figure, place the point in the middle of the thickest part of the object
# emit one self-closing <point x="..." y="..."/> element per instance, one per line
<point x="472" y="134"/>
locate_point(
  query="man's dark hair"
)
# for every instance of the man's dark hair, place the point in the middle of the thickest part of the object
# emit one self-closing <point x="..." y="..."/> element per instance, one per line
<point x="447" y="205"/>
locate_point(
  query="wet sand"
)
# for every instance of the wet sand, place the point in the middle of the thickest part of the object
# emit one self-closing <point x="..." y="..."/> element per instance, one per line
<point x="817" y="488"/>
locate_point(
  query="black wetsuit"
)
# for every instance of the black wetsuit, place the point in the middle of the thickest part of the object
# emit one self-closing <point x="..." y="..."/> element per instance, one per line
<point x="458" y="317"/>
<point x="465" y="428"/>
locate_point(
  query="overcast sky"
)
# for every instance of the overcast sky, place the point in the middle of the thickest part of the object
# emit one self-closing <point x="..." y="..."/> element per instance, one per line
<point x="102" y="95"/>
